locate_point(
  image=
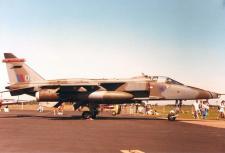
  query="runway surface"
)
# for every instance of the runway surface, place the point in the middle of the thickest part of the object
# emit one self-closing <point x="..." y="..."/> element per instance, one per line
<point x="32" y="132"/>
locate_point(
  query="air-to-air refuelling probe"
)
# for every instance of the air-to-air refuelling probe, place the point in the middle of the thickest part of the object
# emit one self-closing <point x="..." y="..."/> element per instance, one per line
<point x="89" y="93"/>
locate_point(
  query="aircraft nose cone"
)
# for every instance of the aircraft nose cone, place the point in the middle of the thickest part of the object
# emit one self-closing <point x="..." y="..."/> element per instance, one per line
<point x="214" y="95"/>
<point x="203" y="94"/>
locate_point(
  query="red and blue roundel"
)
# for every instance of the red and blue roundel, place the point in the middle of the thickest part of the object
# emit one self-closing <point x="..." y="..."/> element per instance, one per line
<point x="22" y="78"/>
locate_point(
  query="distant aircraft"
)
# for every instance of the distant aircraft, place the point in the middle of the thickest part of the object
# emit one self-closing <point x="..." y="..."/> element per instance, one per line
<point x="89" y="93"/>
<point x="6" y="102"/>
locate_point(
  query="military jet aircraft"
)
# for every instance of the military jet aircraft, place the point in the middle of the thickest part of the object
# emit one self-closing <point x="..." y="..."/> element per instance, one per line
<point x="6" y="102"/>
<point x="89" y="93"/>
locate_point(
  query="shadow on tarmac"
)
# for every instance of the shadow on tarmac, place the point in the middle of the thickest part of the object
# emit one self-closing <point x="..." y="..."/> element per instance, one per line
<point x="78" y="117"/>
<point x="106" y="118"/>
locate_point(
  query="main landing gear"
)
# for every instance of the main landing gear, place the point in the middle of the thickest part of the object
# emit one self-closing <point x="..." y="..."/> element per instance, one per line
<point x="89" y="115"/>
<point x="90" y="111"/>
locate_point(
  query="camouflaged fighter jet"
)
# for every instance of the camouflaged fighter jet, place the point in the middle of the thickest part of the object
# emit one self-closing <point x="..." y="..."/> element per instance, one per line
<point x="89" y="93"/>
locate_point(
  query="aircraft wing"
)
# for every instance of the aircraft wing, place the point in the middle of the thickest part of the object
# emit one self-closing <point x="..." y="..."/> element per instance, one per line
<point x="78" y="87"/>
<point x="20" y="91"/>
<point x="84" y="86"/>
<point x="111" y="85"/>
<point x="61" y="87"/>
<point x="72" y="87"/>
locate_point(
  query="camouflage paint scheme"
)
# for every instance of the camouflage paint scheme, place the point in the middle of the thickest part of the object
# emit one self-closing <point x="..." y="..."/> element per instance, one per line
<point x="24" y="80"/>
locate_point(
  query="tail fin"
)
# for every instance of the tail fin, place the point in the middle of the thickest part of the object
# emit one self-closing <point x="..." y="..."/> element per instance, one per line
<point x="18" y="71"/>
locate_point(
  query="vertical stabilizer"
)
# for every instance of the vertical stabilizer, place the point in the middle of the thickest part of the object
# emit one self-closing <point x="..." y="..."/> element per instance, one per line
<point x="18" y="71"/>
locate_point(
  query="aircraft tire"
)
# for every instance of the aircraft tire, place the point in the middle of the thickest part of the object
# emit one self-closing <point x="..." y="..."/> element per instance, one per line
<point x="87" y="115"/>
<point x="113" y="113"/>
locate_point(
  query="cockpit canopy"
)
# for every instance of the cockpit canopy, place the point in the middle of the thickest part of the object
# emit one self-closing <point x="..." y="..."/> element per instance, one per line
<point x="162" y="79"/>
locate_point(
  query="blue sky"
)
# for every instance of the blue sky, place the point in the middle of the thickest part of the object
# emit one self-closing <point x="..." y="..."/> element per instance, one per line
<point x="182" y="39"/>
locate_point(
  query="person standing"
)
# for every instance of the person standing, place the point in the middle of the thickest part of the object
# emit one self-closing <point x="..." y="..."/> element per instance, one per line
<point x="204" y="109"/>
<point x="207" y="108"/>
<point x="6" y="109"/>
<point x="40" y="108"/>
<point x="196" y="109"/>
<point x="221" y="110"/>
